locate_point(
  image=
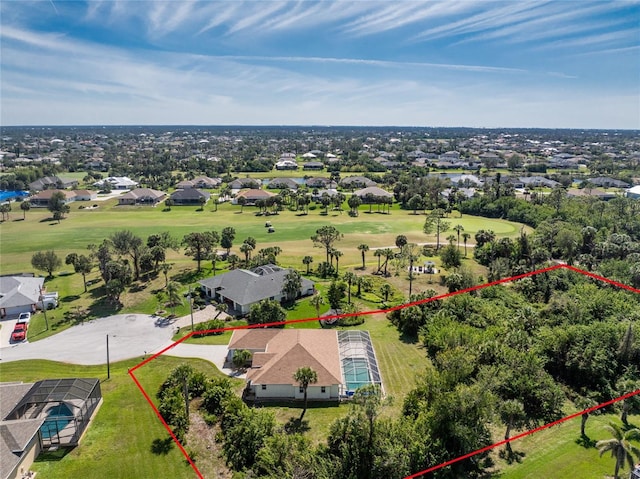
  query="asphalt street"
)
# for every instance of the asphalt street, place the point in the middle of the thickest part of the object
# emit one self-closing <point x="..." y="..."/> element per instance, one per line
<point x="130" y="336"/>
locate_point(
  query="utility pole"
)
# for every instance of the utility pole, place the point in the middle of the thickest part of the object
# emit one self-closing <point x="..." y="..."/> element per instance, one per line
<point x="108" y="365"/>
<point x="191" y="308"/>
<point x="44" y="310"/>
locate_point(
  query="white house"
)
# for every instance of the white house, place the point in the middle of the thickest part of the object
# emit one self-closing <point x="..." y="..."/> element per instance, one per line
<point x="278" y="353"/>
<point x="634" y="192"/>
<point x="117" y="183"/>
<point x="19" y="294"/>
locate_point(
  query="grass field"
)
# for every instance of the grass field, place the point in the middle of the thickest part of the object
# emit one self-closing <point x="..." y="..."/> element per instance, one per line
<point x="558" y="452"/>
<point x="125" y="438"/>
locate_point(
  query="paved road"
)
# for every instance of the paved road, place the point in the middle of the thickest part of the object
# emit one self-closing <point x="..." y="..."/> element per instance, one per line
<point x="130" y="336"/>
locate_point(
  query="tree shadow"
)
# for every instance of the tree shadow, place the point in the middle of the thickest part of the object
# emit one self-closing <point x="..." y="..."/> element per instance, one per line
<point x="511" y="456"/>
<point x="189" y="276"/>
<point x="162" y="447"/>
<point x="586" y="442"/>
<point x="69" y="299"/>
<point x="408" y="339"/>
<point x="296" y="426"/>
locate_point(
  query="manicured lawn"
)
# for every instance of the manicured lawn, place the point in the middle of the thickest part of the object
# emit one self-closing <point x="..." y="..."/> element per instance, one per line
<point x="120" y="441"/>
<point x="555" y="453"/>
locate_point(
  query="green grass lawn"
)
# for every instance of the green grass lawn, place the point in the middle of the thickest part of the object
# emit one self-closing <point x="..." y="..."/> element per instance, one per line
<point x="120" y="441"/>
<point x="557" y="453"/>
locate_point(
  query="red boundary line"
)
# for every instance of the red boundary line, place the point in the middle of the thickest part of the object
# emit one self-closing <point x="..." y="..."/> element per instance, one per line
<point x="394" y="308"/>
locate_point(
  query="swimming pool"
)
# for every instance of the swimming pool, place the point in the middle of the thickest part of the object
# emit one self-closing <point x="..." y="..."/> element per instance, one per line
<point x="9" y="195"/>
<point x="57" y="419"/>
<point x="356" y="373"/>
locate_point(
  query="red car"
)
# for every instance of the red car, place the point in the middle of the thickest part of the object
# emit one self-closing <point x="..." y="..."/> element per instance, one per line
<point x="19" y="332"/>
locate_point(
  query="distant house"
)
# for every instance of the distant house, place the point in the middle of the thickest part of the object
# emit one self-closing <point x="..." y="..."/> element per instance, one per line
<point x="278" y="353"/>
<point x="52" y="182"/>
<point x="142" y="196"/>
<point x="203" y="182"/>
<point x="356" y="182"/>
<point x="241" y="183"/>
<point x="252" y="196"/>
<point x="281" y="183"/>
<point x="537" y="182"/>
<point x="286" y="164"/>
<point x="320" y="193"/>
<point x="85" y="195"/>
<point x="19" y="294"/>
<point x="241" y="288"/>
<point x="190" y="196"/>
<point x="309" y="155"/>
<point x="42" y="199"/>
<point x="450" y="155"/>
<point x="633" y="192"/>
<point x="313" y="165"/>
<point x="117" y="183"/>
<point x="592" y="192"/>
<point x="320" y="182"/>
<point x="372" y="192"/>
<point x="609" y="182"/>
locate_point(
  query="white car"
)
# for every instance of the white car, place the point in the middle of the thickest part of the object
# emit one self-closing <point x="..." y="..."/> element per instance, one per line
<point x="24" y="318"/>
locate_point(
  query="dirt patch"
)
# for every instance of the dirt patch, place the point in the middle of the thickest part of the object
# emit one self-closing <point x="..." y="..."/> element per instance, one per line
<point x="201" y="440"/>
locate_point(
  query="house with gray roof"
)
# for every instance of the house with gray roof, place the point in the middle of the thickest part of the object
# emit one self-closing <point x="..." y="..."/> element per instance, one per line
<point x="142" y="196"/>
<point x="282" y="183"/>
<point x="19" y="294"/>
<point x="49" y="182"/>
<point x="190" y="196"/>
<point x="605" y="182"/>
<point x="356" y="182"/>
<point x="242" y="288"/>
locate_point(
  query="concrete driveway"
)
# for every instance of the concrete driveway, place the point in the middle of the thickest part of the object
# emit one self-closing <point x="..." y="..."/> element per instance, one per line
<point x="6" y="330"/>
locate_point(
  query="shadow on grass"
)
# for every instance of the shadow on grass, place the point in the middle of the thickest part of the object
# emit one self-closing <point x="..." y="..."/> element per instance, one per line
<point x="57" y="455"/>
<point x="511" y="456"/>
<point x="69" y="299"/>
<point x="299" y="404"/>
<point x="189" y="276"/>
<point x="586" y="442"/>
<point x="162" y="447"/>
<point x="296" y="426"/>
<point x="408" y="338"/>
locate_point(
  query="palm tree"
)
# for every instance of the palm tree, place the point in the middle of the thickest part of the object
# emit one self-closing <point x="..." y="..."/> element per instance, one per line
<point x="378" y="253"/>
<point x="214" y="260"/>
<point x="336" y="255"/>
<point x="350" y="278"/>
<point x="317" y="301"/>
<point x="465" y="237"/>
<point x="173" y="295"/>
<point x="386" y="290"/>
<point x="242" y="201"/>
<point x="305" y="376"/>
<point x="458" y="229"/>
<point x="307" y="260"/>
<point x="246" y="248"/>
<point x="25" y="206"/>
<point x="240" y="358"/>
<point x="388" y="254"/>
<point x="165" y="270"/>
<point x="620" y="446"/>
<point x="363" y="249"/>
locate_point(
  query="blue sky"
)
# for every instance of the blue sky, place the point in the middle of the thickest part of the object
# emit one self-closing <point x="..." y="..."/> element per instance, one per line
<point x="555" y="64"/>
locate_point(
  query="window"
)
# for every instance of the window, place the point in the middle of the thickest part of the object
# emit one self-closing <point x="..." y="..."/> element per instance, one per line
<point x="264" y="386"/>
<point x="323" y="389"/>
<point x="301" y="389"/>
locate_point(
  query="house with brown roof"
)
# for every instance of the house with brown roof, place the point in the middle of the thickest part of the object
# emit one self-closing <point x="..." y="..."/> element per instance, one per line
<point x="252" y="196"/>
<point x="42" y="199"/>
<point x="278" y="353"/>
<point x="142" y="196"/>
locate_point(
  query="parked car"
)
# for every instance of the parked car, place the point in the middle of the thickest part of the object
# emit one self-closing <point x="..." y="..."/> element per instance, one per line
<point x="24" y="317"/>
<point x="19" y="332"/>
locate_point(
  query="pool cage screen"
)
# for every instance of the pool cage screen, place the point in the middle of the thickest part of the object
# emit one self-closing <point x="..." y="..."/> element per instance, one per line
<point x="66" y="405"/>
<point x="358" y="360"/>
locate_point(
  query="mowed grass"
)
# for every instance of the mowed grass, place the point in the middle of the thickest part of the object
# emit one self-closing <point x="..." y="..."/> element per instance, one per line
<point x="20" y="239"/>
<point x="557" y="452"/>
<point x="119" y="443"/>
